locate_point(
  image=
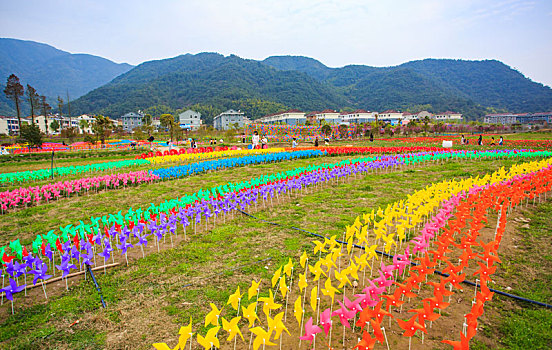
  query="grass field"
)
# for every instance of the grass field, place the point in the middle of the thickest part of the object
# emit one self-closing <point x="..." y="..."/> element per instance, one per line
<point x="149" y="300"/>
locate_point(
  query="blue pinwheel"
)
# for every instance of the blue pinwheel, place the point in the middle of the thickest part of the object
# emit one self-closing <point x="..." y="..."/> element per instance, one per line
<point x="12" y="289"/>
<point x="40" y="273"/>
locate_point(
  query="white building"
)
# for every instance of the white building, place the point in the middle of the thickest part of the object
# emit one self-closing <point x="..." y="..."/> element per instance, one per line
<point x="329" y="116"/>
<point x="228" y="120"/>
<point x="448" y="115"/>
<point x="390" y="116"/>
<point x="85" y="127"/>
<point x="9" y="125"/>
<point x="290" y="117"/>
<point x="359" y="116"/>
<point x="189" y="120"/>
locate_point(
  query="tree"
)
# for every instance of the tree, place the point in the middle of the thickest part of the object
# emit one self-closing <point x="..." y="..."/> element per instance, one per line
<point x="45" y="111"/>
<point x="326" y="130"/>
<point x="60" y="105"/>
<point x="14" y="91"/>
<point x="70" y="133"/>
<point x="31" y="134"/>
<point x="55" y="125"/>
<point x="33" y="99"/>
<point x="83" y="124"/>
<point x="101" y="127"/>
<point x="167" y="121"/>
<point x="342" y="131"/>
<point x="69" y="110"/>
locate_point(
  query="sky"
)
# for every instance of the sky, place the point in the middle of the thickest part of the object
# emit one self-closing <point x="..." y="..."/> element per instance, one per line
<point x="335" y="32"/>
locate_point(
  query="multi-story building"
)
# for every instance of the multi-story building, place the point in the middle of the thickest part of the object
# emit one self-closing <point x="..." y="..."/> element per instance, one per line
<point x="390" y="116"/>
<point x="85" y="123"/>
<point x="290" y="117"/>
<point x="189" y="120"/>
<point x="229" y="120"/>
<point x="359" y="116"/>
<point x="329" y="116"/>
<point x="448" y="115"/>
<point x="9" y="125"/>
<point x="523" y="118"/>
<point x="132" y="120"/>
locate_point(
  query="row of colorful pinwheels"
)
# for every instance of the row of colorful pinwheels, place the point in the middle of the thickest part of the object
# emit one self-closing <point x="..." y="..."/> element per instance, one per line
<point x="201" y="195"/>
<point x="36" y="195"/>
<point x="459" y="199"/>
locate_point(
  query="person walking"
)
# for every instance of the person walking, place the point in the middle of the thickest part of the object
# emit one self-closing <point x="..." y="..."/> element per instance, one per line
<point x="255" y="140"/>
<point x="316" y="142"/>
<point x="480" y="140"/>
<point x="501" y="141"/>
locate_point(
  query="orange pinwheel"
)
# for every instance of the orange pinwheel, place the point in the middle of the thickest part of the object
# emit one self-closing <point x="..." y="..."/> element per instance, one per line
<point x="406" y="289"/>
<point x="436" y="302"/>
<point x="377" y="331"/>
<point x="484" y="271"/>
<point x="487" y="250"/>
<point x="440" y="288"/>
<point x="393" y="300"/>
<point x="451" y="268"/>
<point x="463" y="344"/>
<point x="367" y="342"/>
<point x="455" y="280"/>
<point x="425" y="314"/>
<point x="411" y="326"/>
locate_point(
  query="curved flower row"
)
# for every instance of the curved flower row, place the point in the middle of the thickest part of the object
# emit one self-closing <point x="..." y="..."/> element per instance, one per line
<point x="373" y="294"/>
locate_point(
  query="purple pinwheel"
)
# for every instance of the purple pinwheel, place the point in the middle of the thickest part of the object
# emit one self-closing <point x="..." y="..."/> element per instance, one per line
<point x="12" y="289"/>
<point x="40" y="273"/>
<point x="65" y="267"/>
<point x="10" y="268"/>
<point x="75" y="254"/>
<point x="19" y="269"/>
<point x="124" y="246"/>
<point x="48" y="252"/>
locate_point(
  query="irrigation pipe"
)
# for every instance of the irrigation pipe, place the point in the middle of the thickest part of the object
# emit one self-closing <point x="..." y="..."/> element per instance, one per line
<point x="412" y="263"/>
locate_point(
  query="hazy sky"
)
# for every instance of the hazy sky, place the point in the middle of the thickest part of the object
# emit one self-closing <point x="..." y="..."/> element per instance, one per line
<point x="336" y="32"/>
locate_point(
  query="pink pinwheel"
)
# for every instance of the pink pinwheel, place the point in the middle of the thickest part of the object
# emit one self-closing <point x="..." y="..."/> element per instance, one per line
<point x="310" y="331"/>
<point x="365" y="300"/>
<point x="354" y="306"/>
<point x="387" y="270"/>
<point x="382" y="281"/>
<point x="326" y="320"/>
<point x="344" y="315"/>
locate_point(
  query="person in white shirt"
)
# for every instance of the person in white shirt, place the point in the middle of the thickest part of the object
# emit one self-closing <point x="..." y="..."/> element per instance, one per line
<point x="264" y="142"/>
<point x="294" y="144"/>
<point x="255" y="139"/>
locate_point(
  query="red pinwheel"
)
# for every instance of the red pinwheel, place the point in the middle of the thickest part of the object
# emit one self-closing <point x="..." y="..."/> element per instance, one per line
<point x="377" y="331"/>
<point x="452" y="269"/>
<point x="377" y="313"/>
<point x="488" y="249"/>
<point x="411" y="326"/>
<point x="436" y="302"/>
<point x="393" y="300"/>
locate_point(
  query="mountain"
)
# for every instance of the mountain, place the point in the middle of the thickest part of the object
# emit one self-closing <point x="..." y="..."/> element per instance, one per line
<point x="469" y="87"/>
<point x="207" y="78"/>
<point x="53" y="72"/>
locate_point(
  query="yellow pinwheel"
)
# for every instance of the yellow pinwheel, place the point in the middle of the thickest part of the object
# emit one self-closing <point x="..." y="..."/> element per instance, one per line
<point x="283" y="287"/>
<point x="352" y="270"/>
<point x="288" y="268"/>
<point x="213" y="316"/>
<point x="250" y="314"/>
<point x="349" y="245"/>
<point x="298" y="309"/>
<point x="304" y="258"/>
<point x="316" y="270"/>
<point x="302" y="281"/>
<point x="320" y="247"/>
<point x="361" y="261"/>
<point x="262" y="337"/>
<point x="333" y="243"/>
<point x="389" y="242"/>
<point x="185" y="334"/>
<point x="275" y="324"/>
<point x="234" y="299"/>
<point x="253" y="290"/>
<point x="314" y="296"/>
<point x="163" y="346"/>
<point x="342" y="278"/>
<point x="276" y="276"/>
<point x="232" y="327"/>
<point x="329" y="290"/>
<point x="268" y="303"/>
<point x="210" y="339"/>
<point x="371" y="251"/>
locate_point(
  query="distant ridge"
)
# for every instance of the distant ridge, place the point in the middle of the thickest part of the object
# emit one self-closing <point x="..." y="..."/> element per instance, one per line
<point x="53" y="72"/>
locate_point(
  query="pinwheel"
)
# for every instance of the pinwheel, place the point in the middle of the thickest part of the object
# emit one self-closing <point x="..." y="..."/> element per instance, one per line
<point x="269" y="304"/>
<point x="367" y="342"/>
<point x="253" y="290"/>
<point x="275" y="324"/>
<point x="235" y="299"/>
<point x="210" y="338"/>
<point x="262" y="337"/>
<point x="250" y="313"/>
<point x="298" y="310"/>
<point x="326" y="320"/>
<point x="232" y="327"/>
<point x="213" y="316"/>
<point x="310" y="331"/>
<point x="344" y="315"/>
<point x="463" y="344"/>
<point x="12" y="289"/>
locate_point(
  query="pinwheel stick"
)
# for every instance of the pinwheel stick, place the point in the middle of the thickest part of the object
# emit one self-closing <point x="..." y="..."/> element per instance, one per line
<point x="385" y="335"/>
<point x="44" y="289"/>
